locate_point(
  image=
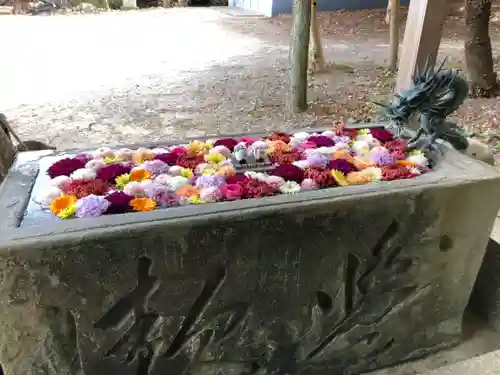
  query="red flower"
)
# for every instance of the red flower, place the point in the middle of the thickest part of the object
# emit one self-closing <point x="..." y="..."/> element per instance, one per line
<point x="289" y="172"/>
<point x="65" y="167"/>
<point x="321" y="141"/>
<point x="233" y="192"/>
<point x="279" y="136"/>
<point x="382" y="134"/>
<point x="341" y="129"/>
<point x="321" y="176"/>
<point x="237" y="178"/>
<point x="120" y="203"/>
<point x="169" y="158"/>
<point x="110" y="172"/>
<point x="230" y="143"/>
<point x="179" y="150"/>
<point x="395" y="172"/>
<point x="396" y="144"/>
<point x="190" y="162"/>
<point x="258" y="189"/>
<point x="341" y="165"/>
<point x="283" y="157"/>
<point x="87" y="186"/>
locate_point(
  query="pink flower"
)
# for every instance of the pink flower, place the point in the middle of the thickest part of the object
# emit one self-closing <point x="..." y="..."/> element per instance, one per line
<point x="232" y="191"/>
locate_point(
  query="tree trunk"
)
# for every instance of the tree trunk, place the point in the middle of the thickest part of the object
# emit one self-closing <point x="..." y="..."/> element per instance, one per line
<point x="478" y="54"/>
<point x="299" y="50"/>
<point x="393" y="14"/>
<point x="7" y="153"/>
<point x="316" y="56"/>
<point x="20" y="6"/>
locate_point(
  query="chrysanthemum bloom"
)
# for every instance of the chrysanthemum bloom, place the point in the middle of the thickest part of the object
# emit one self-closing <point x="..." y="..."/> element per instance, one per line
<point x="341" y="130"/>
<point x="140" y="175"/>
<point x="226" y="171"/>
<point x="381" y="134"/>
<point x="229" y="143"/>
<point x="110" y="172"/>
<point x="91" y="206"/>
<point x="143" y="204"/>
<point x="210" y="180"/>
<point x="195" y="148"/>
<point x="210" y="194"/>
<point x="83" y="173"/>
<point x="169" y="158"/>
<point x="232" y="191"/>
<point x="65" y="167"/>
<point x="48" y="195"/>
<point x="321" y="141"/>
<point x="341" y="165"/>
<point x="190" y="162"/>
<point x="395" y="172"/>
<point x="321" y="176"/>
<point x="82" y="188"/>
<point x="120" y="203"/>
<point x="236" y="178"/>
<point x="156" y="166"/>
<point x="283" y="157"/>
<point x="343" y="154"/>
<point x="361" y="163"/>
<point x="288" y="172"/>
<point x="340" y="178"/>
<point x="315" y="159"/>
<point x="62" y="203"/>
<point x="289" y="187"/>
<point x="279" y="146"/>
<point x="382" y="158"/>
<point x="135" y="189"/>
<point x="358" y="178"/>
<point x="258" y="189"/>
<point x="309" y="184"/>
<point x="187" y="191"/>
<point x="279" y="136"/>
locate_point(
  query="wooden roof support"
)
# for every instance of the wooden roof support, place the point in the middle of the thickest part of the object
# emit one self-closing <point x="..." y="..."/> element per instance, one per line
<point x="422" y="37"/>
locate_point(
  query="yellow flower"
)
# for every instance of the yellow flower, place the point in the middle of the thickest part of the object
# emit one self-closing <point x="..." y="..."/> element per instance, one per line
<point x="415" y="152"/>
<point x="197" y="148"/>
<point x="67" y="212"/>
<point x="339" y="177"/>
<point x="209" y="171"/>
<point x="122" y="180"/>
<point x="143" y="204"/>
<point x="61" y="203"/>
<point x="215" y="158"/>
<point x="364" y="131"/>
<point x="140" y="175"/>
<point x="111" y="160"/>
<point x="186" y="172"/>
<point x="195" y="199"/>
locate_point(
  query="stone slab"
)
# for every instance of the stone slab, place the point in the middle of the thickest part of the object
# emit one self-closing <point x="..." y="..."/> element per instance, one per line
<point x="488" y="364"/>
<point x="332" y="281"/>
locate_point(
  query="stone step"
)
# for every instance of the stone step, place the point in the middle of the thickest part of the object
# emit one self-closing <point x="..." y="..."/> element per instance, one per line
<point x="487" y="364"/>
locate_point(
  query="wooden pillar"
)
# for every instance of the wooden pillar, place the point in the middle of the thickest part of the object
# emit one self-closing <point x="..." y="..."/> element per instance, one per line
<point x="7" y="154"/>
<point x="422" y="37"/>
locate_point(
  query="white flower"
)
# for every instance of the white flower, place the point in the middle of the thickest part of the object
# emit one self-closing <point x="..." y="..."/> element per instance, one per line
<point x="83" y="173"/>
<point x="328" y="133"/>
<point x="374" y="172"/>
<point x="176" y="182"/>
<point x="326" y="151"/>
<point x="49" y="195"/>
<point x="60" y="181"/>
<point x="199" y="168"/>
<point x="361" y="148"/>
<point x="135" y="189"/>
<point x="301" y="164"/>
<point x="418" y="159"/>
<point x="157" y="151"/>
<point x="256" y="175"/>
<point x="163" y="179"/>
<point x="275" y="181"/>
<point x="341" y="146"/>
<point x="221" y="150"/>
<point x="301" y="136"/>
<point x="95" y="164"/>
<point x="415" y="171"/>
<point x="175" y="170"/>
<point x="290" y="187"/>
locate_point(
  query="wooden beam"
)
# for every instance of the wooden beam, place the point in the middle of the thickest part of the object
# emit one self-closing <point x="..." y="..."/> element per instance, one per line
<point x="422" y="37"/>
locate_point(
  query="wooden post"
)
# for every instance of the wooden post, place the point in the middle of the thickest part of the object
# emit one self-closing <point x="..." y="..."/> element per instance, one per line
<point x="422" y="38"/>
<point x="393" y="10"/>
<point x="7" y="154"/>
<point x="299" y="51"/>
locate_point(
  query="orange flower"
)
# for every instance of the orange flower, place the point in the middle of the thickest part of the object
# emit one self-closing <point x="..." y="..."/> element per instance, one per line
<point x="143" y="204"/>
<point x="187" y="191"/>
<point x="61" y="203"/>
<point x="358" y="178"/>
<point x="361" y="163"/>
<point x="142" y="155"/>
<point x="343" y="154"/>
<point x="140" y="175"/>
<point x="279" y="146"/>
<point x="406" y="163"/>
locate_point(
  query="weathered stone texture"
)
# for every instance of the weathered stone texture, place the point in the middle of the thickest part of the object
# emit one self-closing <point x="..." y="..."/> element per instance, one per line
<point x="327" y="282"/>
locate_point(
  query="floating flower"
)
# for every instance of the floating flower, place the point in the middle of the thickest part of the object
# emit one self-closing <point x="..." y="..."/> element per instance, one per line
<point x="258" y="189"/>
<point x="226" y="171"/>
<point x="60" y="182"/>
<point x="210" y="180"/>
<point x="83" y="173"/>
<point x="111" y="160"/>
<point x="122" y="180"/>
<point x="135" y="189"/>
<point x="196" y="148"/>
<point x="229" y="143"/>
<point x="176" y="182"/>
<point x="343" y="154"/>
<point x="278" y="146"/>
<point x="381" y="134"/>
<point x="418" y="159"/>
<point x="341" y="165"/>
<point x="65" y="167"/>
<point x="283" y="157"/>
<point x="308" y="145"/>
<point x="223" y="150"/>
<point x="91" y="206"/>
<point x="119" y="203"/>
<point x="67" y="212"/>
<point x="155" y="167"/>
<point x="309" y="184"/>
<point x="187" y="173"/>
<point x="289" y="187"/>
<point x="110" y="172"/>
<point x="358" y="178"/>
<point x="210" y="194"/>
<point x="382" y="158"/>
<point x="95" y="164"/>
<point x="187" y="191"/>
<point x="169" y="158"/>
<point x="103" y="152"/>
<point x="190" y="161"/>
<point x="288" y="172"/>
<point x="361" y="148"/>
<point x="248" y="141"/>
<point x="82" y="188"/>
<point x="49" y="195"/>
<point x="237" y="178"/>
<point x="200" y="168"/>
<point x="395" y="172"/>
<point x="232" y="192"/>
<point x="142" y="154"/>
<point x="214" y="158"/>
<point x="340" y="177"/>
<point x="62" y="203"/>
<point x="321" y="176"/>
<point x="143" y="204"/>
<point x="195" y="199"/>
<point x="375" y="173"/>
<point x="125" y="154"/>
<point x="361" y="163"/>
<point x="341" y="139"/>
<point x="317" y="160"/>
<point x="279" y="136"/>
<point x="321" y="141"/>
<point x="274" y="181"/>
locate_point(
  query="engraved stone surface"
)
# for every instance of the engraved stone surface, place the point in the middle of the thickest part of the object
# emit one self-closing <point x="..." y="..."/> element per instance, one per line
<point x="334" y="281"/>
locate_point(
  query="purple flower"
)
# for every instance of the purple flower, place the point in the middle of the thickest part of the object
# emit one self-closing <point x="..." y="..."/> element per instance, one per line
<point x="91" y="206"/>
<point x="210" y="180"/>
<point x="341" y="139"/>
<point x="382" y="158"/>
<point x="317" y="160"/>
<point x="160" y="194"/>
<point x="156" y="167"/>
<point x="342" y="165"/>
